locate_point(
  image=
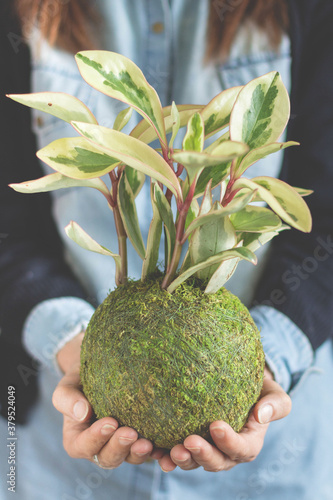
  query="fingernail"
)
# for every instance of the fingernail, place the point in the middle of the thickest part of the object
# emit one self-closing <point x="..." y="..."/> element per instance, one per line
<point x="163" y="470"/>
<point x="80" y="410"/>
<point x="107" y="429"/>
<point x="126" y="441"/>
<point x="218" y="431"/>
<point x="265" y="414"/>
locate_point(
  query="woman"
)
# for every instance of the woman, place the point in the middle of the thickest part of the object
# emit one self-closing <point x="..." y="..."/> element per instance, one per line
<point x="167" y="40"/>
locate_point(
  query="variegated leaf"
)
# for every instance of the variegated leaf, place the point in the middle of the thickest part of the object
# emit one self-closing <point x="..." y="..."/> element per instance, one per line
<point x="261" y="111"/>
<point x="167" y="218"/>
<point x="234" y="206"/>
<point x="122" y="119"/>
<point x="216" y="173"/>
<point x="242" y="253"/>
<point x="147" y="134"/>
<point x="260" y="153"/>
<point x="195" y="161"/>
<point x="79" y="236"/>
<point x="135" y="178"/>
<point x="195" y="134"/>
<point x="211" y="239"/>
<point x="175" y="123"/>
<point x="282" y="198"/>
<point x="77" y="158"/>
<point x="224" y="137"/>
<point x="303" y="192"/>
<point x="216" y="115"/>
<point x="192" y="213"/>
<point x="222" y="274"/>
<point x="132" y="152"/>
<point x="126" y="204"/>
<point x="52" y="182"/>
<point x="253" y="241"/>
<point x="253" y="219"/>
<point x="117" y="76"/>
<point x="63" y="106"/>
<point x="153" y="240"/>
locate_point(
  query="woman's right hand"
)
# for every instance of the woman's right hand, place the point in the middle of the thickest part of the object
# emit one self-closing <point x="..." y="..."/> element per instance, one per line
<point x="112" y="444"/>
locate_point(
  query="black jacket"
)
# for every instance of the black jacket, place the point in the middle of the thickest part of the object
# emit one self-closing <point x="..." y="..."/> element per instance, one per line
<point x="298" y="277"/>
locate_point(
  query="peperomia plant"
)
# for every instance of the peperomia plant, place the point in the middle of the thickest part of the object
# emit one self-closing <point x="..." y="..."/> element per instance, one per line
<point x="175" y="367"/>
<point x="251" y="118"/>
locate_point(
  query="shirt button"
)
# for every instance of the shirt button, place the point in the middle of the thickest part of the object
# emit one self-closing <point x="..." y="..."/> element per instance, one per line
<point x="158" y="28"/>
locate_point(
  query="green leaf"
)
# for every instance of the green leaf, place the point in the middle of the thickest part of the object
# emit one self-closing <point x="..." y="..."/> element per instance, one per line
<point x="126" y="203"/>
<point x="195" y="134"/>
<point x="147" y="134"/>
<point x="206" y="218"/>
<point x="175" y="123"/>
<point x="167" y="218"/>
<point x="261" y="111"/>
<point x="79" y="236"/>
<point x="135" y="179"/>
<point x="118" y="77"/>
<point x="211" y="239"/>
<point x="122" y="119"/>
<point x="242" y="253"/>
<point x="59" y="104"/>
<point x="216" y="114"/>
<point x="282" y="198"/>
<point x="52" y="182"/>
<point x="253" y="219"/>
<point x="154" y="238"/>
<point x="132" y="152"/>
<point x="77" y="158"/>
<point x="260" y="153"/>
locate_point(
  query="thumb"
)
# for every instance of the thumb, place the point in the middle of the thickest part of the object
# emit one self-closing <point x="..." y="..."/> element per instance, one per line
<point x="69" y="400"/>
<point x="274" y="402"/>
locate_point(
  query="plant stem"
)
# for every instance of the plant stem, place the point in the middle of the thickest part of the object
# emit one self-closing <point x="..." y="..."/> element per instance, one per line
<point x="180" y="229"/>
<point x="121" y="275"/>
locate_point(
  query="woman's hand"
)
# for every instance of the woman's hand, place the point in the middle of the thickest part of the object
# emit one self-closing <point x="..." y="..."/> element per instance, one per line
<point x="232" y="448"/>
<point x="103" y="438"/>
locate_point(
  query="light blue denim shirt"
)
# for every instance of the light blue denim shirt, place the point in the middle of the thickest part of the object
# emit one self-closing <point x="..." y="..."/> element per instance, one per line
<point x="171" y="58"/>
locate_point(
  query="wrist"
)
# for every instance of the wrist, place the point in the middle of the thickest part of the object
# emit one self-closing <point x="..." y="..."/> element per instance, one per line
<point x="69" y="355"/>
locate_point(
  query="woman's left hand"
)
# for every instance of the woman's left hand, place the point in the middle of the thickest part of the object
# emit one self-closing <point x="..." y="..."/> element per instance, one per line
<point x="232" y="448"/>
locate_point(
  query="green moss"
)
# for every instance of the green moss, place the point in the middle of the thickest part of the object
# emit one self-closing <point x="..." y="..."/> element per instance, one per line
<point x="170" y="364"/>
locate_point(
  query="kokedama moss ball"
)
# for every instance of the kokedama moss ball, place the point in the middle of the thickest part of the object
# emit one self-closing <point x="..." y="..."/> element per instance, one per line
<point x="170" y="364"/>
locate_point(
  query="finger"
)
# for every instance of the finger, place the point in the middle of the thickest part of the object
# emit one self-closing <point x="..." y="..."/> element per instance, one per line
<point x="239" y="447"/>
<point x="166" y="463"/>
<point x="207" y="455"/>
<point x="69" y="400"/>
<point x="118" y="448"/>
<point x="82" y="440"/>
<point x="183" y="458"/>
<point x="274" y="403"/>
<point x="140" y="451"/>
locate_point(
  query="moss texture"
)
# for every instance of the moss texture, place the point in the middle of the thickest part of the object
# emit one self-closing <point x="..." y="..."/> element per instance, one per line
<point x="170" y="364"/>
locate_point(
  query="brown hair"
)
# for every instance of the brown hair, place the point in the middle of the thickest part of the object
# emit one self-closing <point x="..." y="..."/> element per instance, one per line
<point x="70" y="24"/>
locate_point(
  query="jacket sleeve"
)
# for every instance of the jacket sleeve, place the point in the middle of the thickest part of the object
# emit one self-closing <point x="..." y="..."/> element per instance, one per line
<point x="32" y="267"/>
<point x="298" y="278"/>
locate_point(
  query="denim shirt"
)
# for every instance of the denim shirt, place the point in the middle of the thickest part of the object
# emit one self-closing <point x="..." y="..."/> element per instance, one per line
<point x="166" y="39"/>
